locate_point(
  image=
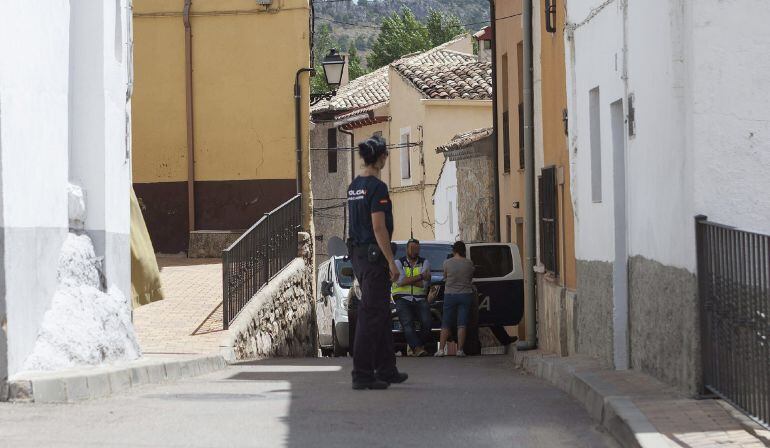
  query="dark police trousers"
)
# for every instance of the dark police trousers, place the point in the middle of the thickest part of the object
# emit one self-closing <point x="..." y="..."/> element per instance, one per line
<point x="373" y="354"/>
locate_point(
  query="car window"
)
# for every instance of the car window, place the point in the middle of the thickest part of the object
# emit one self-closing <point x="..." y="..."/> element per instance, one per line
<point x="345" y="281"/>
<point x="491" y="261"/>
<point x="436" y="254"/>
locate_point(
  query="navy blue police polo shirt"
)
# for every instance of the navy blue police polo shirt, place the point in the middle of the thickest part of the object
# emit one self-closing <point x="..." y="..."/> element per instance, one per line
<point x="367" y="195"/>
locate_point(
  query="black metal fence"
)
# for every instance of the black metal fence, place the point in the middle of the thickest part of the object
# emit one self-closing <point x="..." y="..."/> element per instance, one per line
<point x="734" y="291"/>
<point x="260" y="253"/>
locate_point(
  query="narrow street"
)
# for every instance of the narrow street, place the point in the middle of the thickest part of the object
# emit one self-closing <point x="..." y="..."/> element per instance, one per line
<point x="471" y="402"/>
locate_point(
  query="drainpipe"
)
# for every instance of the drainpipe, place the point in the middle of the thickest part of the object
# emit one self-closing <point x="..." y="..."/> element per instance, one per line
<point x="495" y="168"/>
<point x="529" y="185"/>
<point x="298" y="131"/>
<point x="190" y="128"/>
<point x="352" y="176"/>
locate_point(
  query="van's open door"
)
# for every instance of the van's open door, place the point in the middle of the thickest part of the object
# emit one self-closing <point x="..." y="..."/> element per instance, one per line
<point x="499" y="279"/>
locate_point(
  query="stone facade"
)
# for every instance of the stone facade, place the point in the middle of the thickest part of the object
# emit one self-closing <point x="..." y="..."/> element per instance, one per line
<point x="664" y="325"/>
<point x="476" y="199"/>
<point x="556" y="329"/>
<point x="211" y="243"/>
<point x="280" y="319"/>
<point x="593" y="310"/>
<point x="329" y="188"/>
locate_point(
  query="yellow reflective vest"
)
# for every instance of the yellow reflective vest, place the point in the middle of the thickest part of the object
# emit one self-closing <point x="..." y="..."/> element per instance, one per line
<point x="410" y="271"/>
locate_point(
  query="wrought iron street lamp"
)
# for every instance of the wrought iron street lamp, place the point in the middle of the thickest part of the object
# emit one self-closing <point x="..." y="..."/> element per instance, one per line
<point x="333" y="66"/>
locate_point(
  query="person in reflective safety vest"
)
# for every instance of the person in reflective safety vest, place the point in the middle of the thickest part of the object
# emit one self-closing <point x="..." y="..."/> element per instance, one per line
<point x="410" y="293"/>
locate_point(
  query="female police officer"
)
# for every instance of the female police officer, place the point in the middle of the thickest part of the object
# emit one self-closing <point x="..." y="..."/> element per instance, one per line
<point x="371" y="227"/>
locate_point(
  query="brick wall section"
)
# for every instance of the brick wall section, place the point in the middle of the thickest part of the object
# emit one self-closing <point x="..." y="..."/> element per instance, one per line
<point x="280" y="319"/>
<point x="476" y="199"/>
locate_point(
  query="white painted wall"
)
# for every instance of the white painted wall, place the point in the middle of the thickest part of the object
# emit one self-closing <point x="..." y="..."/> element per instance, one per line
<point x="591" y="63"/>
<point x="34" y="41"/>
<point x="63" y="72"/>
<point x="702" y="141"/>
<point x="729" y="112"/>
<point x="445" y="204"/>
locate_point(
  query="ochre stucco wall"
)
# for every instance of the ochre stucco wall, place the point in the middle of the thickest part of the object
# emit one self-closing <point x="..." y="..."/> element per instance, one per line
<point x="441" y="120"/>
<point x="244" y="68"/>
<point x="508" y="35"/>
<point x="555" y="150"/>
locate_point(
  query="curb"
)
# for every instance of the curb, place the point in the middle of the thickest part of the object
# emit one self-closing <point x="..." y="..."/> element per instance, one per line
<point x="617" y="413"/>
<point x="98" y="382"/>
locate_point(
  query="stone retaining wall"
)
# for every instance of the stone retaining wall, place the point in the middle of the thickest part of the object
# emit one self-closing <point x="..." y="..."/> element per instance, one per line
<point x="279" y="320"/>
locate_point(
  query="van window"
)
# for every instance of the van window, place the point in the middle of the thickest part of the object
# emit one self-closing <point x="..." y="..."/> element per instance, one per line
<point x="345" y="281"/>
<point x="491" y="261"/>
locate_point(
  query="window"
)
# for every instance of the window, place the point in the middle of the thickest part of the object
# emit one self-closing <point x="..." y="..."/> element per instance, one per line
<point x="406" y="167"/>
<point x="520" y="74"/>
<point x="596" y="144"/>
<point x="506" y="143"/>
<point x="487" y="44"/>
<point x="332" y="149"/>
<point x="506" y="117"/>
<point x="550" y="16"/>
<point x="491" y="261"/>
<point x="521" y="136"/>
<point x="548" y="223"/>
<point x="508" y="228"/>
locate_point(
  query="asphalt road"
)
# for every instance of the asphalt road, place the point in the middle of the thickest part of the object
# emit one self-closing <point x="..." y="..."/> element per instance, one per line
<point x="451" y="402"/>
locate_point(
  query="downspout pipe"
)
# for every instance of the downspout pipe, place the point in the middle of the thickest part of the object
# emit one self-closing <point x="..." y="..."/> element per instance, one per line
<point x="495" y="122"/>
<point x="190" y="122"/>
<point x="298" y="128"/>
<point x="352" y="177"/>
<point x="529" y="183"/>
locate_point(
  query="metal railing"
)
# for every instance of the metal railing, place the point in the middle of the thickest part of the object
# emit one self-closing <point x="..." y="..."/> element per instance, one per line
<point x="258" y="255"/>
<point x="734" y="292"/>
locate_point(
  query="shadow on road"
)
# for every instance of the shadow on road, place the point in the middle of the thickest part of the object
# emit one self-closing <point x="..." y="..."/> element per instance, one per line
<point x="471" y="402"/>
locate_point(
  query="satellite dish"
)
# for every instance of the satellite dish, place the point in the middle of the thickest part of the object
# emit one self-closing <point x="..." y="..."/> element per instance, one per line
<point x="336" y="247"/>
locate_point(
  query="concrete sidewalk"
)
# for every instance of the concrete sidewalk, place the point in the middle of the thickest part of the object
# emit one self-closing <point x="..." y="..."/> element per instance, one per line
<point x="640" y="411"/>
<point x="86" y="383"/>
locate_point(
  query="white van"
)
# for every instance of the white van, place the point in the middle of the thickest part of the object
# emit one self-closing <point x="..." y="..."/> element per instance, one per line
<point x="331" y="306"/>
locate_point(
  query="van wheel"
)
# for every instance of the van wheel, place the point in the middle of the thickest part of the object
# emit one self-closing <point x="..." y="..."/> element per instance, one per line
<point x="338" y="350"/>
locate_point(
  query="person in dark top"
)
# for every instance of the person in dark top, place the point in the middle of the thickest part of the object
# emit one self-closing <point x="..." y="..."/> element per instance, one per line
<point x="371" y="229"/>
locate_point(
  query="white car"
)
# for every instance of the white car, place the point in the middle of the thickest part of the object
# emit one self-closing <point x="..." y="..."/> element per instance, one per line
<point x="335" y="279"/>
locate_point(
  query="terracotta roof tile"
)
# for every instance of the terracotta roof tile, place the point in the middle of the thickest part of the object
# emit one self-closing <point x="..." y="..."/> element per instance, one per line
<point x="465" y="139"/>
<point x="470" y="80"/>
<point x="373" y="88"/>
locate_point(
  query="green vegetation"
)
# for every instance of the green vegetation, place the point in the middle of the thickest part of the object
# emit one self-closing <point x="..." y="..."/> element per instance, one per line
<point x="359" y="28"/>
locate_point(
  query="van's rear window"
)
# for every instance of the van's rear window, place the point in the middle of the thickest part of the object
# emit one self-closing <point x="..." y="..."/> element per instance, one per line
<point x="491" y="261"/>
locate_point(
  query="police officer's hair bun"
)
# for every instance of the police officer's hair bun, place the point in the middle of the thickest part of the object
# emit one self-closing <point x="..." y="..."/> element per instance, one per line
<point x="371" y="149"/>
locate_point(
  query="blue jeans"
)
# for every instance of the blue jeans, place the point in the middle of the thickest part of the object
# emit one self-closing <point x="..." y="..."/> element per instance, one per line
<point x="406" y="315"/>
<point x="457" y="308"/>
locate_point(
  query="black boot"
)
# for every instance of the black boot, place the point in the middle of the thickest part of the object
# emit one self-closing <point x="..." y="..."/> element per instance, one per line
<point x="396" y="378"/>
<point x="374" y="384"/>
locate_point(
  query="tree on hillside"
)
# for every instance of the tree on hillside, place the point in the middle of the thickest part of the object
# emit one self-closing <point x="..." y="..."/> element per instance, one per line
<point x="400" y="34"/>
<point x="354" y="64"/>
<point x="323" y="43"/>
<point x="442" y="27"/>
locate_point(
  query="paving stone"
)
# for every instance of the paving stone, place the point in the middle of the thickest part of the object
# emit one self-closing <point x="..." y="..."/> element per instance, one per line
<point x="98" y="385"/>
<point x="49" y="390"/>
<point x="639" y="410"/>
